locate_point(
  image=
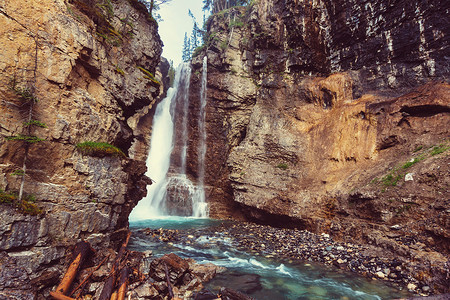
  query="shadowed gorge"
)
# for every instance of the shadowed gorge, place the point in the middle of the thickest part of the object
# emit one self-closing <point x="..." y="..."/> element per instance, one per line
<point x="315" y="134"/>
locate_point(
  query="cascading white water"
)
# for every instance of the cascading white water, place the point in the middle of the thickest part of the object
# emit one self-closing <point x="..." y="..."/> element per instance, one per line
<point x="200" y="206"/>
<point x="174" y="193"/>
<point x="158" y="160"/>
<point x="184" y="97"/>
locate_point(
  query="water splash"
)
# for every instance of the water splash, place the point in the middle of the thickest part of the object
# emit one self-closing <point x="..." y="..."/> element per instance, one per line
<point x="173" y="193"/>
<point x="200" y="207"/>
<point x="158" y="161"/>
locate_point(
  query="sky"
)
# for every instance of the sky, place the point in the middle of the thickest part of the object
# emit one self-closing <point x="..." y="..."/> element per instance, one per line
<point x="176" y="21"/>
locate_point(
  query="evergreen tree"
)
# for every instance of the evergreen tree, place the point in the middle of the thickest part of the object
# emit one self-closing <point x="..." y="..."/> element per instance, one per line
<point x="153" y="6"/>
<point x="218" y="5"/>
<point x="186" y="54"/>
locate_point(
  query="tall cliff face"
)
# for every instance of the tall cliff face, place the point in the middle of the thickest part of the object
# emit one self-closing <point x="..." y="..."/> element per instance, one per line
<point x="88" y="63"/>
<point x="331" y="116"/>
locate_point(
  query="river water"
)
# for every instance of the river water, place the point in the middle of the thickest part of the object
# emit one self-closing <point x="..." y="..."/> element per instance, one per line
<point x="255" y="274"/>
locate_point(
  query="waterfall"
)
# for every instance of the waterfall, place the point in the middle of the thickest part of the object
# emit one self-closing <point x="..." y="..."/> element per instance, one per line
<point x="158" y="160"/>
<point x="172" y="192"/>
<point x="200" y="205"/>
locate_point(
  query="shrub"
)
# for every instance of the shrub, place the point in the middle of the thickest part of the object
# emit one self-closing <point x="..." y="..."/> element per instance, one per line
<point x="35" y="123"/>
<point x="26" y="206"/>
<point x="148" y="75"/>
<point x="99" y="149"/>
<point x="439" y="149"/>
<point x="26" y="138"/>
<point x="410" y="163"/>
<point x="391" y="180"/>
<point x="7" y="198"/>
<point x="282" y="166"/>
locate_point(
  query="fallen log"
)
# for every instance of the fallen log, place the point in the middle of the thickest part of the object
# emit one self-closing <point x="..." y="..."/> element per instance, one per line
<point x="110" y="282"/>
<point x="123" y="283"/>
<point x="81" y="251"/>
<point x="108" y="288"/>
<point x="83" y="283"/>
<point x="114" y="295"/>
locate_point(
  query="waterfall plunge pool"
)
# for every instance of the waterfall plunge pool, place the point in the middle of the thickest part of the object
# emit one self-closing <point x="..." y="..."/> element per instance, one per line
<point x="257" y="273"/>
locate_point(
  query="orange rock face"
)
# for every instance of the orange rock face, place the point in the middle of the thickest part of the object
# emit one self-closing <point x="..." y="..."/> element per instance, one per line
<point x="327" y="116"/>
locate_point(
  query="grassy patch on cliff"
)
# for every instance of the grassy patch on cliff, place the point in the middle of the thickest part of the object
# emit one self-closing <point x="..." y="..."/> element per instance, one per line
<point x="148" y="75"/>
<point x="396" y="174"/>
<point x="99" y="149"/>
<point x="26" y="206"/>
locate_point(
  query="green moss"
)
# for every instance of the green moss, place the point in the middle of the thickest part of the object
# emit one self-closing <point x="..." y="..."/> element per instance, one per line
<point x="418" y="149"/>
<point x="198" y="50"/>
<point x="236" y="24"/>
<point x="391" y="179"/>
<point x="99" y="149"/>
<point x="439" y="149"/>
<point x="7" y="198"/>
<point x="282" y="166"/>
<point x="410" y="163"/>
<point x="26" y="138"/>
<point x="223" y="45"/>
<point x="35" y="123"/>
<point x="29" y="207"/>
<point x="26" y="206"/>
<point x="148" y="75"/>
<point x="18" y="172"/>
<point x="120" y="71"/>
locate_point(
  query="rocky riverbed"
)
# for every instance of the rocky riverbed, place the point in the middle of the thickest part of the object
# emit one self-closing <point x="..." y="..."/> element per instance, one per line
<point x="294" y="246"/>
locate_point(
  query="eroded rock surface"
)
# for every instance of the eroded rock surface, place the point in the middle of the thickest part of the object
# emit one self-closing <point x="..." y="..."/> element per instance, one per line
<point x="88" y="63"/>
<point x="332" y="117"/>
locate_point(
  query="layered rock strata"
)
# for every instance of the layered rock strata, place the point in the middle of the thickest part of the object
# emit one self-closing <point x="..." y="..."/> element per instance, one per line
<point x="91" y="66"/>
<point x="332" y="116"/>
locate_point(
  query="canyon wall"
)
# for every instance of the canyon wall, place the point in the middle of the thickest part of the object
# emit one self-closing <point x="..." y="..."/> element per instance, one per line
<point x="332" y="116"/>
<point x="88" y="68"/>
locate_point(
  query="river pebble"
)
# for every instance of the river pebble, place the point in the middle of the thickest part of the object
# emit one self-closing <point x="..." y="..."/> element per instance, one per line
<point x="297" y="246"/>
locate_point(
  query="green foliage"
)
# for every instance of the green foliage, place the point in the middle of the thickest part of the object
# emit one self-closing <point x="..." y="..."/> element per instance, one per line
<point x="18" y="172"/>
<point x="26" y="206"/>
<point x="223" y="45"/>
<point x="7" y="198"/>
<point x="99" y="149"/>
<point x="282" y="166"/>
<point x="35" y="123"/>
<point x="106" y="5"/>
<point x="236" y="23"/>
<point x="439" y="149"/>
<point x="31" y="139"/>
<point x="391" y="179"/>
<point x="24" y="94"/>
<point x="410" y="163"/>
<point x="148" y="75"/>
<point x="394" y="176"/>
<point x="198" y="50"/>
<point x="119" y="71"/>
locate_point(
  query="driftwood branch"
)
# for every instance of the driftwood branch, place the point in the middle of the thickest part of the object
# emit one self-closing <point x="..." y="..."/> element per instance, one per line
<point x="83" y="283"/>
<point x="123" y="283"/>
<point x="110" y="282"/>
<point x="81" y="251"/>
